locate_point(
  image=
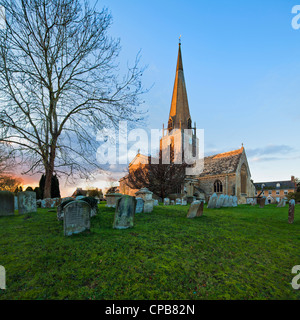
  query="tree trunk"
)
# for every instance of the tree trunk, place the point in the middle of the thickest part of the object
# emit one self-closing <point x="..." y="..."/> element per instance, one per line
<point x="48" y="181"/>
<point x="49" y="173"/>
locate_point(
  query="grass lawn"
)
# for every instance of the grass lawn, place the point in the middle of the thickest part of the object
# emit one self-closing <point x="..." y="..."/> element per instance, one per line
<point x="229" y="253"/>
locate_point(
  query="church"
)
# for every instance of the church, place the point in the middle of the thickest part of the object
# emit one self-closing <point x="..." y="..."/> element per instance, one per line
<point x="225" y="173"/>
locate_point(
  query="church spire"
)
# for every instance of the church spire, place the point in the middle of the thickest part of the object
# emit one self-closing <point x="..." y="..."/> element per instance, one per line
<point x="179" y="113"/>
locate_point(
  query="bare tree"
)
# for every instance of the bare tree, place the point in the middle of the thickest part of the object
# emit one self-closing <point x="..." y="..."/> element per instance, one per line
<point x="60" y="84"/>
<point x="9" y="183"/>
<point x="161" y="179"/>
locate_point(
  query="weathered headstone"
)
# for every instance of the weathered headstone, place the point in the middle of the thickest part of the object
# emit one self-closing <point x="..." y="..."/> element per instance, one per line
<point x="226" y="201"/>
<point x="196" y="210"/>
<point x="90" y="200"/>
<point x="234" y="201"/>
<point x="184" y="202"/>
<point x="172" y="202"/>
<point x="178" y="201"/>
<point x="220" y="201"/>
<point x="124" y="215"/>
<point x="230" y="202"/>
<point x="50" y="202"/>
<point x="262" y="203"/>
<point x="139" y="205"/>
<point x="16" y="203"/>
<point x="148" y="206"/>
<point x="7" y="203"/>
<point x="145" y="194"/>
<point x="212" y="201"/>
<point x="155" y="203"/>
<point x="166" y="201"/>
<point x="76" y="217"/>
<point x="27" y="202"/>
<point x="66" y="199"/>
<point x="291" y="211"/>
<point x="60" y="208"/>
<point x="282" y="203"/>
<point x="112" y="199"/>
<point x="93" y="203"/>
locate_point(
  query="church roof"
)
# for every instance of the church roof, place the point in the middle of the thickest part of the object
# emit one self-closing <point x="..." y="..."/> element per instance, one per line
<point x="179" y="112"/>
<point x="222" y="163"/>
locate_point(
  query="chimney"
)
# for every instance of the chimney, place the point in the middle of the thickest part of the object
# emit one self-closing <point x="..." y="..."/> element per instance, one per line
<point x="293" y="178"/>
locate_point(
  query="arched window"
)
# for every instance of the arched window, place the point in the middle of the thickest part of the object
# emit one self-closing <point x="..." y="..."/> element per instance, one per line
<point x="218" y="187"/>
<point x="244" y="179"/>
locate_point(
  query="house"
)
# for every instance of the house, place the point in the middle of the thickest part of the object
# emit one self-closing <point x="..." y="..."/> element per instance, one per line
<point x="80" y="192"/>
<point x="276" y="190"/>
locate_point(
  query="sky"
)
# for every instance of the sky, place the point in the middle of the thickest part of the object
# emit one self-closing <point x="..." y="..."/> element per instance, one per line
<point x="241" y="63"/>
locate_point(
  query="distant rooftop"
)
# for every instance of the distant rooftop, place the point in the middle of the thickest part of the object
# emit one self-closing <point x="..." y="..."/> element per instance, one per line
<point x="276" y="185"/>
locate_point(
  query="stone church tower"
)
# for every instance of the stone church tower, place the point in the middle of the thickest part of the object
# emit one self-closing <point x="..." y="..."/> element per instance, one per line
<point x="225" y="173"/>
<point x="179" y="118"/>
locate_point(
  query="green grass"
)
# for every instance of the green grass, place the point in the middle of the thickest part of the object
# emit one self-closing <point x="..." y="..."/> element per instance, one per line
<point x="229" y="253"/>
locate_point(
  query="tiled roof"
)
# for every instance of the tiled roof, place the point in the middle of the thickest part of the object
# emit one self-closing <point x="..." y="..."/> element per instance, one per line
<point x="222" y="163"/>
<point x="273" y="185"/>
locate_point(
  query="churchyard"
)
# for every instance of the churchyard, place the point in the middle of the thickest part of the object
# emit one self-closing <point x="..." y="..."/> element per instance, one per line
<point x="243" y="252"/>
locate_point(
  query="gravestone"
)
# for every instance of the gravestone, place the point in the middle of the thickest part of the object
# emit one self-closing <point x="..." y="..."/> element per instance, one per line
<point x="60" y="208"/>
<point x="196" y="210"/>
<point x="234" y="201"/>
<point x="212" y="201"/>
<point x="184" y="202"/>
<point x="90" y="200"/>
<point x="178" y="201"/>
<point x="254" y="203"/>
<point x="172" y="202"/>
<point x="93" y="203"/>
<point x="112" y="198"/>
<point x="166" y="201"/>
<point x="66" y="199"/>
<point x="76" y="217"/>
<point x="27" y="202"/>
<point x="148" y="206"/>
<point x="230" y="202"/>
<point x="282" y="203"/>
<point x="139" y="205"/>
<point x="220" y="201"/>
<point x="291" y="211"/>
<point x="7" y="203"/>
<point x="16" y="203"/>
<point x="155" y="203"/>
<point x="49" y="202"/>
<point x="226" y="201"/>
<point x="145" y="194"/>
<point x="262" y="203"/>
<point x="124" y="215"/>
